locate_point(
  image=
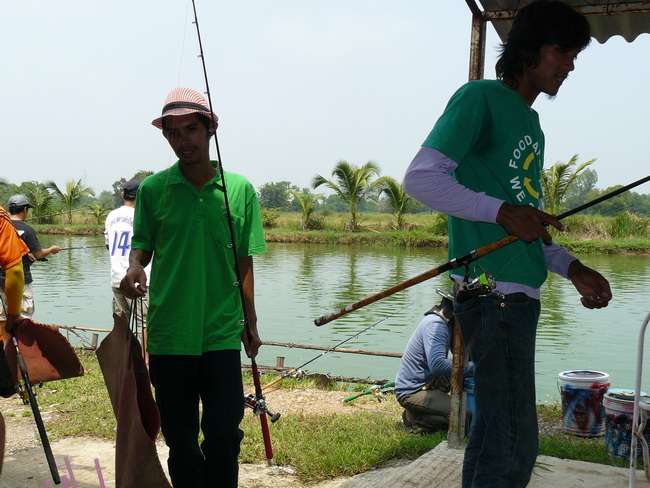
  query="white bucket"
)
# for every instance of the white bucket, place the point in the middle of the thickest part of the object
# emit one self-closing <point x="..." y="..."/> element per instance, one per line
<point x="582" y="393"/>
<point x="619" y="412"/>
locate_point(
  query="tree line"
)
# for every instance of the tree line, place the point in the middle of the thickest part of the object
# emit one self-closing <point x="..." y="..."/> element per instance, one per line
<point x="354" y="189"/>
<point x="51" y="200"/>
<point x="565" y="185"/>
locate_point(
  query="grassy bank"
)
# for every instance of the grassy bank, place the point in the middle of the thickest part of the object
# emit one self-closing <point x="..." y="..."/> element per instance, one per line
<point x="317" y="446"/>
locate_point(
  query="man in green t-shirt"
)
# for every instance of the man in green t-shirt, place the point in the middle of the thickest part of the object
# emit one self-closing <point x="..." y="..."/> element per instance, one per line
<point x="195" y="318"/>
<point x="482" y="165"/>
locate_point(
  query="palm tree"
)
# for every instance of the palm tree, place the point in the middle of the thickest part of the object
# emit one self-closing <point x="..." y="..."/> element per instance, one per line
<point x="397" y="197"/>
<point x="307" y="203"/>
<point x="557" y="180"/>
<point x="99" y="212"/>
<point x="41" y="198"/>
<point x="351" y="183"/>
<point x="74" y="193"/>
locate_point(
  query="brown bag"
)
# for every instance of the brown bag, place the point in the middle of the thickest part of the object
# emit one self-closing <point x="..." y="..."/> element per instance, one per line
<point x="47" y="353"/>
<point x="138" y="420"/>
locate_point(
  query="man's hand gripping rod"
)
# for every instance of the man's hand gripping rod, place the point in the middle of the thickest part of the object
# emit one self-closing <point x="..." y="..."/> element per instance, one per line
<point x="461" y="261"/>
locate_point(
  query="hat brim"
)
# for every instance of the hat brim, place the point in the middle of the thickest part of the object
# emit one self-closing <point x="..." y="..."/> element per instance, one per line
<point x="177" y="112"/>
<point x="18" y="205"/>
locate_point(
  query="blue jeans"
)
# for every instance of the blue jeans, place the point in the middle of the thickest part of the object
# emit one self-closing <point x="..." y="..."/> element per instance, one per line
<point x="499" y="334"/>
<point x="215" y="380"/>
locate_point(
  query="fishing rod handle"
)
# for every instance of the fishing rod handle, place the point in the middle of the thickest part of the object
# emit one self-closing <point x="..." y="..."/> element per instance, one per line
<point x="278" y="379"/>
<point x="268" y="447"/>
<point x="378" y="296"/>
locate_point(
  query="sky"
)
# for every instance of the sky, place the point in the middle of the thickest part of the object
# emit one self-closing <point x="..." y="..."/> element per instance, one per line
<point x="298" y="86"/>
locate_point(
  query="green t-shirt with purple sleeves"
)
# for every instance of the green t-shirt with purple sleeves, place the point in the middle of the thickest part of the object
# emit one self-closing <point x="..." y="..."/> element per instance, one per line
<point x="194" y="306"/>
<point x="495" y="138"/>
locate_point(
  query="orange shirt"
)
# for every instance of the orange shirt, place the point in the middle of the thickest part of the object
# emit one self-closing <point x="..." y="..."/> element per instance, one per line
<point x="12" y="247"/>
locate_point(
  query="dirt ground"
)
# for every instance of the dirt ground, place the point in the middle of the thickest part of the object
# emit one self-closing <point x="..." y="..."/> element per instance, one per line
<point x="25" y="464"/>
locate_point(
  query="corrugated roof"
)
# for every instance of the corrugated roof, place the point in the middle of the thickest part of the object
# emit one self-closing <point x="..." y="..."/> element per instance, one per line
<point x="607" y="18"/>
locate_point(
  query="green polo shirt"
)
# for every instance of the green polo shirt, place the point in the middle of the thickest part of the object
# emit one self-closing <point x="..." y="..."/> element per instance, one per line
<point x="194" y="306"/>
<point x="495" y="138"/>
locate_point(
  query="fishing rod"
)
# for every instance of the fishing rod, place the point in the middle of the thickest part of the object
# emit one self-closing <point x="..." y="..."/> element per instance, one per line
<point x="81" y="247"/>
<point x="55" y="215"/>
<point x="71" y="248"/>
<point x="261" y="412"/>
<point x="37" y="413"/>
<point x="333" y="348"/>
<point x="34" y="405"/>
<point x="463" y="260"/>
<point x="377" y="390"/>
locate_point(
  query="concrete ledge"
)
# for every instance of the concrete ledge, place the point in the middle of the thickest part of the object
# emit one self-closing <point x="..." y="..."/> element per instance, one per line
<point x="442" y="467"/>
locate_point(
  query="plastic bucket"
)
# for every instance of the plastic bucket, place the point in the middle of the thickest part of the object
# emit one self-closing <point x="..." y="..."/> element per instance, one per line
<point x="468" y="386"/>
<point x="619" y="412"/>
<point x="582" y="392"/>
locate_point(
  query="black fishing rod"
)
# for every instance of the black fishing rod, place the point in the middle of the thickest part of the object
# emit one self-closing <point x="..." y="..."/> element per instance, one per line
<point x="261" y="411"/>
<point x="71" y="248"/>
<point x="49" y="456"/>
<point x="82" y="247"/>
<point x="54" y="215"/>
<point x="464" y="260"/>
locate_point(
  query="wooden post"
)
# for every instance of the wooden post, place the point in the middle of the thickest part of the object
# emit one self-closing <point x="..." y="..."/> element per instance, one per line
<point x="456" y="435"/>
<point x="279" y="362"/>
<point x="94" y="341"/>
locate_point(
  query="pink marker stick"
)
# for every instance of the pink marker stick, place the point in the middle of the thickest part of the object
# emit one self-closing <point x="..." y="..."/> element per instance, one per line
<point x="99" y="474"/>
<point x="70" y="473"/>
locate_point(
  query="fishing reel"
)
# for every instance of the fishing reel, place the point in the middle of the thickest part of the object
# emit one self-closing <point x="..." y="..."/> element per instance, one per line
<point x="259" y="407"/>
<point x="481" y="286"/>
<point x="379" y="392"/>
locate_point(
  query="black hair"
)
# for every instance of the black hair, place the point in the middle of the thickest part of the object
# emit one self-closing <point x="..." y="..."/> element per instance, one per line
<point x="205" y="120"/>
<point x="128" y="196"/>
<point x="538" y="23"/>
<point x="13" y="209"/>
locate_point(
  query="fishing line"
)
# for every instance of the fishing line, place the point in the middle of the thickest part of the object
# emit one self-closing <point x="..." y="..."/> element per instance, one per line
<point x="260" y="404"/>
<point x="297" y="370"/>
<point x="180" y="63"/>
<point x="226" y="205"/>
<point x="55" y="215"/>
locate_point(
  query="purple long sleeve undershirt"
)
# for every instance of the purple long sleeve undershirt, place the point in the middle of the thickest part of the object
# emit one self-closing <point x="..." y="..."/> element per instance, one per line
<point x="428" y="179"/>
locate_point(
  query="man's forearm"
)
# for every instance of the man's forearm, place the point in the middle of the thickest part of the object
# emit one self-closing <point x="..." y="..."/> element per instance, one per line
<point x="139" y="257"/>
<point x="14" y="283"/>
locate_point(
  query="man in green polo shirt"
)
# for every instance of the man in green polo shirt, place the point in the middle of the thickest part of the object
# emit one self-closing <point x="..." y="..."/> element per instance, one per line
<point x="195" y="327"/>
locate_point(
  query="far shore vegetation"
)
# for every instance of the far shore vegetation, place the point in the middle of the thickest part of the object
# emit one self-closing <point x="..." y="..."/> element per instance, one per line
<point x="364" y="207"/>
<point x="625" y="233"/>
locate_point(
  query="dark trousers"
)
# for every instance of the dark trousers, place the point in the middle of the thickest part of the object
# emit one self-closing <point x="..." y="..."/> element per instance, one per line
<point x="214" y="380"/>
<point x="499" y="335"/>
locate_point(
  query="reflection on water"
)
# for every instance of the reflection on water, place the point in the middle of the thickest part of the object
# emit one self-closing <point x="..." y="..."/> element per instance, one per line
<point x="297" y="283"/>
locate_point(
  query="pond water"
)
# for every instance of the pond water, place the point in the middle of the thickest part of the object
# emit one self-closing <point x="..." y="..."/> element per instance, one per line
<point x="297" y="283"/>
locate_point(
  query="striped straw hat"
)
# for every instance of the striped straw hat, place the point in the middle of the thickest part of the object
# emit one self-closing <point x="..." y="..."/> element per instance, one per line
<point x="184" y="101"/>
